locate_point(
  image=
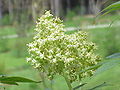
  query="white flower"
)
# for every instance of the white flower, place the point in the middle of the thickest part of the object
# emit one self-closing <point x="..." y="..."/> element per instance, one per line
<point x="30" y="45"/>
<point x="69" y="59"/>
<point x="54" y="60"/>
<point x="28" y="59"/>
<point x="72" y="45"/>
<point x="34" y="61"/>
<point x="38" y="52"/>
<point x="37" y="65"/>
<point x="41" y="56"/>
<point x="59" y="52"/>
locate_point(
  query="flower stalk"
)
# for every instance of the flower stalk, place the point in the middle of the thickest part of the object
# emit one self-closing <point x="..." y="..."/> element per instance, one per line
<point x="67" y="81"/>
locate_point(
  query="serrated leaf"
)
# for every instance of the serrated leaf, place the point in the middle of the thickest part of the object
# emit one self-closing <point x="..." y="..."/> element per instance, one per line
<point x="115" y="55"/>
<point x="17" y="79"/>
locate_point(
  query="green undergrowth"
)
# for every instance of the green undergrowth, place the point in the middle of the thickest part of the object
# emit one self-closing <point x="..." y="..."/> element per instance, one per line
<point x="13" y="58"/>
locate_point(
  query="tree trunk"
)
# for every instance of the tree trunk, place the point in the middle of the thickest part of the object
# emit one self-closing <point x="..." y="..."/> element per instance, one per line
<point x="82" y="7"/>
<point x="52" y="7"/>
<point x="45" y="4"/>
<point x="0" y="9"/>
<point x="10" y="9"/>
<point x="68" y="5"/>
<point x="33" y="6"/>
<point x="94" y="6"/>
<point x="57" y="7"/>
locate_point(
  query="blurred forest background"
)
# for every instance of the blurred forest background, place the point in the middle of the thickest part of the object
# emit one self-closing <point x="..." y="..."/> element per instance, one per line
<point x="17" y="21"/>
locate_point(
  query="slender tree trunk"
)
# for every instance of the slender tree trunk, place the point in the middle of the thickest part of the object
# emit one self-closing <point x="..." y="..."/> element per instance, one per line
<point x="33" y="10"/>
<point x="94" y="6"/>
<point x="68" y="5"/>
<point x="57" y="7"/>
<point x="82" y="7"/>
<point x="0" y="9"/>
<point x="52" y="6"/>
<point x="91" y="6"/>
<point x="45" y="4"/>
<point x="10" y="9"/>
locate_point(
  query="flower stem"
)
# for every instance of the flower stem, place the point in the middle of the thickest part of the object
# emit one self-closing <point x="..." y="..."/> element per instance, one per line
<point x="51" y="84"/>
<point x="68" y="82"/>
<point x="43" y="80"/>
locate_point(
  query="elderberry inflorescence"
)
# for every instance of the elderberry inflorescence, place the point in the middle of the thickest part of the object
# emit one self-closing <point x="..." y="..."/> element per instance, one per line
<point x="54" y="52"/>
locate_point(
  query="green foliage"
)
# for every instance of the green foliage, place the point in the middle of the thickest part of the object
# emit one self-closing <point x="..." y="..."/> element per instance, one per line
<point x="70" y="14"/>
<point x="4" y="45"/>
<point x="15" y="80"/>
<point x="19" y="47"/>
<point x="111" y="8"/>
<point x="115" y="55"/>
<point x="106" y="40"/>
<point x="5" y="20"/>
<point x="7" y="30"/>
<point x="108" y="66"/>
<point x="99" y="86"/>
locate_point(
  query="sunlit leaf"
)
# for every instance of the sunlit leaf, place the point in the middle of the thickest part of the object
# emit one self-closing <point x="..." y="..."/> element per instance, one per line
<point x="99" y="86"/>
<point x="115" y="55"/>
<point x="114" y="5"/>
<point x="108" y="64"/>
<point x="109" y="11"/>
<point x="5" y="83"/>
<point x="14" y="80"/>
<point x="110" y="8"/>
<point x="91" y="68"/>
<point x="77" y="87"/>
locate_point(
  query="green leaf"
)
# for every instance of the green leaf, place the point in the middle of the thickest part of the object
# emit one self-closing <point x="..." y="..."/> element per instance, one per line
<point x="115" y="55"/>
<point x="4" y="83"/>
<point x="79" y="86"/>
<point x="16" y="79"/>
<point x="90" y="68"/>
<point x="110" y="8"/>
<point x="99" y="86"/>
<point x="114" y="5"/>
<point x="108" y="64"/>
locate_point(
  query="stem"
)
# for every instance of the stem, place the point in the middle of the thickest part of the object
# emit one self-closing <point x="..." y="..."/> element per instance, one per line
<point x="51" y="81"/>
<point x="43" y="80"/>
<point x="68" y="82"/>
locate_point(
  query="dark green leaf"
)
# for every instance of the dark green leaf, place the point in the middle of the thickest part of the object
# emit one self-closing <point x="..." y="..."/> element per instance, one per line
<point x="116" y="55"/>
<point x="4" y="83"/>
<point x="99" y="86"/>
<point x="91" y="68"/>
<point x="109" y="11"/>
<point x="110" y="8"/>
<point x="108" y="64"/>
<point x="77" y="87"/>
<point x="16" y="79"/>
<point x="114" y="5"/>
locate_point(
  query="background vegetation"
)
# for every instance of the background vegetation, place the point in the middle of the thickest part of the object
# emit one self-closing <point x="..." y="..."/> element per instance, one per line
<point x="17" y="20"/>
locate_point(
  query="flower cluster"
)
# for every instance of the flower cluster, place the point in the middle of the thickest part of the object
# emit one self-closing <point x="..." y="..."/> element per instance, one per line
<point x="54" y="52"/>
